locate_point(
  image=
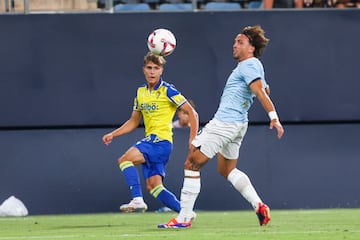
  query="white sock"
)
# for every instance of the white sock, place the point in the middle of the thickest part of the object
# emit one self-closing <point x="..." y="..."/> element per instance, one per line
<point x="242" y="183"/>
<point x="189" y="194"/>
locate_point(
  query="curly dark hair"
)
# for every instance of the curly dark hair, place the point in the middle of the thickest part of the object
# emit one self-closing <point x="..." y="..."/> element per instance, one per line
<point x="256" y="36"/>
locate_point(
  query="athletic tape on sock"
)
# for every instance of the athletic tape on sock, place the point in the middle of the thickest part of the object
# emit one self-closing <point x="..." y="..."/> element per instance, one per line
<point x="190" y="173"/>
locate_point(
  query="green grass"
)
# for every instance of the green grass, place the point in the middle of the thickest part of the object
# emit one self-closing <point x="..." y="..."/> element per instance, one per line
<point x="329" y="224"/>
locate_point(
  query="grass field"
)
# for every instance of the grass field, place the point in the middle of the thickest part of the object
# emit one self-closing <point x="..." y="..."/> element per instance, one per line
<point x="329" y="224"/>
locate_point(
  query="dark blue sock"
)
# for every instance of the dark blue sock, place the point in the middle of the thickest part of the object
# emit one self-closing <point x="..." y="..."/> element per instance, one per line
<point x="132" y="178"/>
<point x="166" y="197"/>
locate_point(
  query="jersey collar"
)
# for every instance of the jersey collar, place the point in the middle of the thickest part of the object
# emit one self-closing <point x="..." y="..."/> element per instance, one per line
<point x="159" y="84"/>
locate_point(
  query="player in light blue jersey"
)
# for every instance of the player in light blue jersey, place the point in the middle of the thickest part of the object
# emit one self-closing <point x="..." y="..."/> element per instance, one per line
<point x="223" y="135"/>
<point x="237" y="97"/>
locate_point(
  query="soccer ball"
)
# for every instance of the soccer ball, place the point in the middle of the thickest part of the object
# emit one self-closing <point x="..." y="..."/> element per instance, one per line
<point x="161" y="42"/>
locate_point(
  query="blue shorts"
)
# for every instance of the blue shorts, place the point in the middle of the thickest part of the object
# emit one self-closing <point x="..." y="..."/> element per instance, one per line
<point x="156" y="153"/>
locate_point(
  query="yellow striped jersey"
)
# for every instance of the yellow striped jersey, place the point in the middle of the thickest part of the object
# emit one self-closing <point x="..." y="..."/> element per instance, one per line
<point x="158" y="108"/>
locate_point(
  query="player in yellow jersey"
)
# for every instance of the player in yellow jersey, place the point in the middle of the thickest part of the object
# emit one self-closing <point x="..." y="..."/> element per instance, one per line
<point x="156" y="102"/>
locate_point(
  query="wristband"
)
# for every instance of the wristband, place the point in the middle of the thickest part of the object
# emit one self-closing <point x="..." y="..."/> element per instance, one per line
<point x="273" y="115"/>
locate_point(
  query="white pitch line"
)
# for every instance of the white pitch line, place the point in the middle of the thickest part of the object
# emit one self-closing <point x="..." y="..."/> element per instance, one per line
<point x="88" y="236"/>
<point x="40" y="237"/>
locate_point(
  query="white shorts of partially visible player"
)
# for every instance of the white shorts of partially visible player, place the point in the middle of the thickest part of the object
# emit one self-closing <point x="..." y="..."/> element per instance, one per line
<point x="221" y="137"/>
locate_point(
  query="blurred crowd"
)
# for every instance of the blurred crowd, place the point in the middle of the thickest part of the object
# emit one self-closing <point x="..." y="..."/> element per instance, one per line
<point x="262" y="4"/>
<point x="98" y="5"/>
<point x="268" y="4"/>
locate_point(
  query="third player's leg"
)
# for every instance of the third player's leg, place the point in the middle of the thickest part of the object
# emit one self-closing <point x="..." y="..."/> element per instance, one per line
<point x="225" y="166"/>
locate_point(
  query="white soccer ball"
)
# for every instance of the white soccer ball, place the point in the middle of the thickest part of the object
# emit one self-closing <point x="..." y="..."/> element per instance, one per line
<point x="161" y="42"/>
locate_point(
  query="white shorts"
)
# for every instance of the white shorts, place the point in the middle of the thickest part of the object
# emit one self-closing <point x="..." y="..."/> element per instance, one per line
<point x="221" y="137"/>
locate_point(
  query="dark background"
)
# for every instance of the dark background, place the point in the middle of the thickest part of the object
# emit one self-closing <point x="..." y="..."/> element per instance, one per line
<point x="68" y="79"/>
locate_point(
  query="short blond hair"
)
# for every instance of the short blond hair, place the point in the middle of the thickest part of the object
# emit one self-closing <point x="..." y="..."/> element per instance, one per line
<point x="158" y="60"/>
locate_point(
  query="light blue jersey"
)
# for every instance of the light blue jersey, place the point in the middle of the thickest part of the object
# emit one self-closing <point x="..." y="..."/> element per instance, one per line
<point x="237" y="97"/>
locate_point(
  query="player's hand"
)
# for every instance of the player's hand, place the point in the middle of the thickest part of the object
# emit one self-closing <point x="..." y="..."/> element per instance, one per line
<point x="275" y="123"/>
<point x="107" y="138"/>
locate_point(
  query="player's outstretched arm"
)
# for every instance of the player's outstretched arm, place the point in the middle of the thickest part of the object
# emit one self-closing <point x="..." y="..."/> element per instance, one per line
<point x="264" y="98"/>
<point x="193" y="120"/>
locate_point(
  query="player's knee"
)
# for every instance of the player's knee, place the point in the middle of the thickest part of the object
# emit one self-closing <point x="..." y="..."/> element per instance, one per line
<point x="149" y="187"/>
<point x="192" y="164"/>
<point x="123" y="158"/>
<point x="187" y="165"/>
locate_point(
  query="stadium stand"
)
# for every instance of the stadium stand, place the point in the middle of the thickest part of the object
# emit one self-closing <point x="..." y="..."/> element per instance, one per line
<point x="154" y="4"/>
<point x="132" y="7"/>
<point x="18" y="6"/>
<point x="254" y="5"/>
<point x="49" y="5"/>
<point x="222" y="6"/>
<point x="175" y="6"/>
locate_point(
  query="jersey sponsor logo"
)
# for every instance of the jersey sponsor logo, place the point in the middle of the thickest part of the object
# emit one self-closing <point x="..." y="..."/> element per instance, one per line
<point x="245" y="104"/>
<point x="149" y="106"/>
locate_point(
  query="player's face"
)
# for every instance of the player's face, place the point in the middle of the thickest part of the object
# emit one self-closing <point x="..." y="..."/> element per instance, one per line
<point x="152" y="73"/>
<point x="242" y="49"/>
